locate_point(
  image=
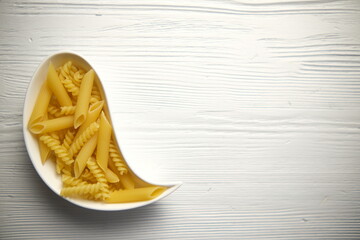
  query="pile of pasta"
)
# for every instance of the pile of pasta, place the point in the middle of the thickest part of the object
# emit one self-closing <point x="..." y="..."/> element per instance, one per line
<point x="73" y="129"/>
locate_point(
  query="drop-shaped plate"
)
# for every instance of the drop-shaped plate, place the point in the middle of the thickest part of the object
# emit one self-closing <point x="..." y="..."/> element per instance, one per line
<point x="47" y="171"/>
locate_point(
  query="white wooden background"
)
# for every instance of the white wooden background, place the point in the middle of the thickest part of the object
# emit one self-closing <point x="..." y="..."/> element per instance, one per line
<point x="254" y="105"/>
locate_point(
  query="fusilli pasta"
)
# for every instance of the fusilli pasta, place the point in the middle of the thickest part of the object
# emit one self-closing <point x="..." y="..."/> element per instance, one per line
<point x="88" y="176"/>
<point x="67" y="110"/>
<point x="59" y="150"/>
<point x="117" y="159"/>
<point x="100" y="177"/>
<point x="81" y="190"/>
<point x="69" y="181"/>
<point x="53" y="110"/>
<point x="78" y="76"/>
<point x="70" y="86"/>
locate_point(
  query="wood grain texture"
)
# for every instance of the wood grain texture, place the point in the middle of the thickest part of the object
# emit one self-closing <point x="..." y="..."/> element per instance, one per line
<point x="254" y="105"/>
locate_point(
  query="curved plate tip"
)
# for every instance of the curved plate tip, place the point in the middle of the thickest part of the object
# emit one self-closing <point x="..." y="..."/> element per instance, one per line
<point x="47" y="172"/>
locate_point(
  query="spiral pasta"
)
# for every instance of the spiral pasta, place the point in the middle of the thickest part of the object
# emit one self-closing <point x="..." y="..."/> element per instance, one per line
<point x="81" y="190"/>
<point x="59" y="150"/>
<point x="65" y="69"/>
<point x="77" y="78"/>
<point x="62" y="168"/>
<point x="66" y="170"/>
<point x="93" y="100"/>
<point x="95" y="94"/>
<point x="69" y="181"/>
<point x="114" y="186"/>
<point x="83" y="138"/>
<point x="55" y="136"/>
<point x="53" y="110"/>
<point x="88" y="176"/>
<point x="59" y="165"/>
<point x="68" y="139"/>
<point x="70" y="86"/>
<point x="117" y="159"/>
<point x="62" y="111"/>
<point x="73" y="70"/>
<point x="67" y="110"/>
<point x="100" y="177"/>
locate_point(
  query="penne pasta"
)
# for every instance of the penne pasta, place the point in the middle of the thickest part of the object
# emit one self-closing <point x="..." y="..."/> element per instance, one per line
<point x="41" y="105"/>
<point x="57" y="87"/>
<point x="93" y="113"/>
<point x="102" y="151"/>
<point x="126" y="181"/>
<point x="84" y="98"/>
<point x="44" y="149"/>
<point x="135" y="195"/>
<point x="110" y="176"/>
<point x="44" y="152"/>
<point x="84" y="154"/>
<point x="52" y="125"/>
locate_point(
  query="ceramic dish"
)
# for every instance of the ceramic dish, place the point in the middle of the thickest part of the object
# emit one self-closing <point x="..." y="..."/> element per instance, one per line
<point x="47" y="171"/>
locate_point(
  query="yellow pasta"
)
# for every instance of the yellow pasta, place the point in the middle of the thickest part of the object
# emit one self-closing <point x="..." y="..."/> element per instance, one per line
<point x="57" y="88"/>
<point x="134" y="195"/>
<point x="70" y="86"/>
<point x="55" y="135"/>
<point x="83" y="138"/>
<point x="110" y="176"/>
<point x="126" y="181"/>
<point x="59" y="165"/>
<point x="66" y="171"/>
<point x="65" y="69"/>
<point x="114" y="187"/>
<point x="69" y="122"/>
<point x="43" y="148"/>
<point x="100" y="177"/>
<point x="54" y="111"/>
<point x="81" y="190"/>
<point x="88" y="176"/>
<point x="59" y="150"/>
<point x="93" y="113"/>
<point x="69" y="137"/>
<point x="84" y="98"/>
<point x="62" y="111"/>
<point x="117" y="159"/>
<point x="69" y="181"/>
<point x="96" y="93"/>
<point x="52" y="125"/>
<point x="78" y="76"/>
<point x="67" y="110"/>
<point x="61" y="134"/>
<point x="44" y="151"/>
<point x="84" y="154"/>
<point x="102" y="151"/>
<point x="73" y="70"/>
<point x="93" y="100"/>
<point x="41" y="105"/>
